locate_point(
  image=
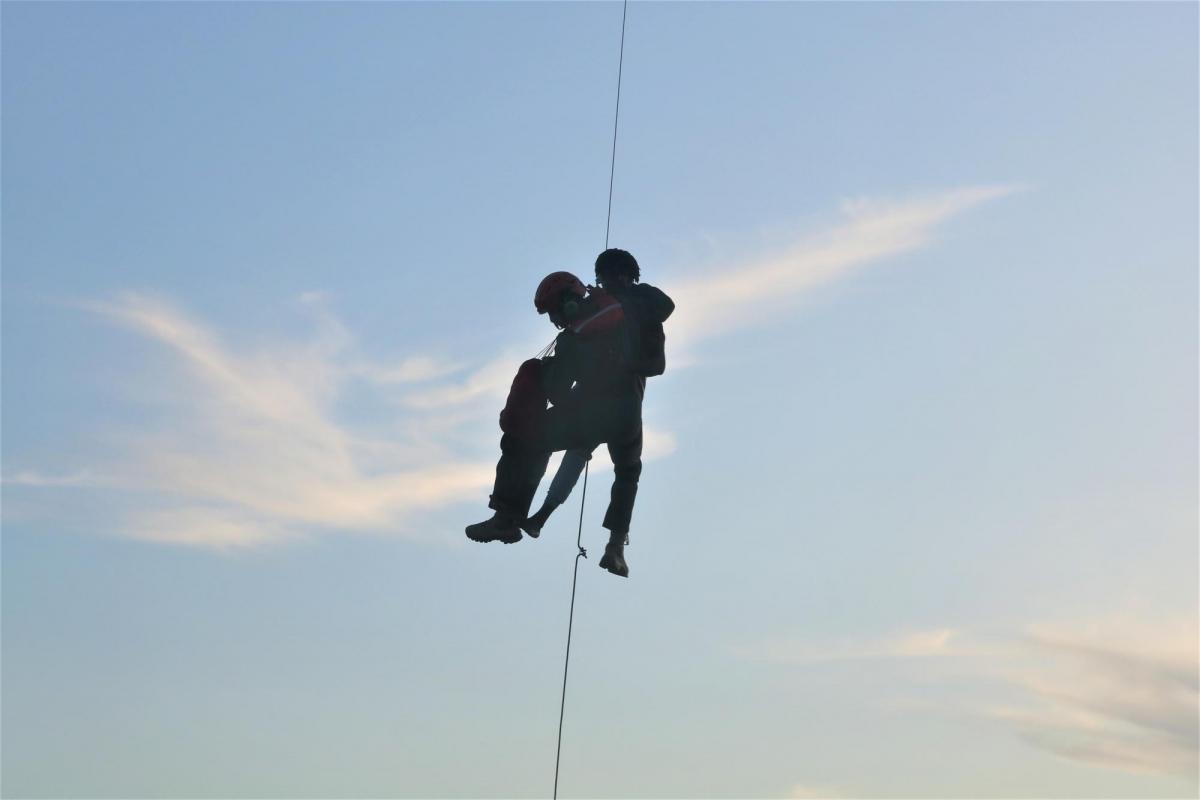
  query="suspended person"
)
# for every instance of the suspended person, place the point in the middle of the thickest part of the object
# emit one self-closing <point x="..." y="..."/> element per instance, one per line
<point x="644" y="308"/>
<point x="581" y="379"/>
<point x="596" y="395"/>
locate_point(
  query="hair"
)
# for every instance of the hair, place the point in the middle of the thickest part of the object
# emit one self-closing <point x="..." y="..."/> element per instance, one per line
<point x="620" y="262"/>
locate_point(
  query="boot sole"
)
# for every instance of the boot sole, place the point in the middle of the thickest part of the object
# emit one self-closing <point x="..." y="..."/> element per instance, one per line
<point x="512" y="538"/>
<point x="608" y="567"/>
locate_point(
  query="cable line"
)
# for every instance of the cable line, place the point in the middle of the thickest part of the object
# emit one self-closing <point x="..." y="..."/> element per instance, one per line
<point x="612" y="170"/>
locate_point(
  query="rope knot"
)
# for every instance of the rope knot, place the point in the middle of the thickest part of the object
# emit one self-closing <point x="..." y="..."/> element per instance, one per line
<point x="582" y="551"/>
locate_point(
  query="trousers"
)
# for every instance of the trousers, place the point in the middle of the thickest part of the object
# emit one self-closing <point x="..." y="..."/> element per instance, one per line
<point x="583" y="425"/>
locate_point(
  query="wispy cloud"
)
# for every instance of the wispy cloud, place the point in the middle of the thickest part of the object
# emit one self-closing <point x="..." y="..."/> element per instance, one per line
<point x="254" y="452"/>
<point x="1113" y="696"/>
<point x="753" y="291"/>
<point x="1121" y="693"/>
<point x="490" y="380"/>
<point x="417" y="369"/>
<point x="911" y="644"/>
<point x="81" y="479"/>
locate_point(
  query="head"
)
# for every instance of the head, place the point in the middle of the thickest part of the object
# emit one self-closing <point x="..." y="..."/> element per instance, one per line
<point x="617" y="269"/>
<point x="559" y="295"/>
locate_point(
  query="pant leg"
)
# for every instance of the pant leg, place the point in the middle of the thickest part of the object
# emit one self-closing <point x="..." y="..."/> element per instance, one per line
<point x="525" y="455"/>
<point x="573" y="462"/>
<point x="627" y="469"/>
<point x="581" y="425"/>
<point x="577" y="426"/>
<point x="518" y="473"/>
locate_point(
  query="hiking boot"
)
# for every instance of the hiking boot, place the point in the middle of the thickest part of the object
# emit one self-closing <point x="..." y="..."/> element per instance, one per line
<point x="497" y="529"/>
<point x="613" y="559"/>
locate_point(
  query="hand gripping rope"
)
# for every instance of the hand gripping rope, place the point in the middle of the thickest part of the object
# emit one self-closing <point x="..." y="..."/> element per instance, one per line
<point x="583" y="500"/>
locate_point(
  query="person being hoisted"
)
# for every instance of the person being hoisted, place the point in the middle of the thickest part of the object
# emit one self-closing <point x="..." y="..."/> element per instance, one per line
<point x="611" y="340"/>
<point x="618" y="273"/>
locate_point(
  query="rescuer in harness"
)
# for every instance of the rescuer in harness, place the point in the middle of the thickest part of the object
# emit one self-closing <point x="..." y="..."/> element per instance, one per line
<point x="618" y="273"/>
<point x="611" y="340"/>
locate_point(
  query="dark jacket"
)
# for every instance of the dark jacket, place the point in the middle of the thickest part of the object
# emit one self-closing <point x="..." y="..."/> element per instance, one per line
<point x="613" y="362"/>
<point x="646" y="309"/>
<point x="588" y="363"/>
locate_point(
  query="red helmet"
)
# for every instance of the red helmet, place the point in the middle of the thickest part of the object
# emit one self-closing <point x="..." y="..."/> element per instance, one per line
<point x="552" y="286"/>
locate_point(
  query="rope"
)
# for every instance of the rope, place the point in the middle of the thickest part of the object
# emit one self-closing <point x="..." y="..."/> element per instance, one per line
<point x="612" y="171"/>
<point x="570" y="624"/>
<point x="612" y="168"/>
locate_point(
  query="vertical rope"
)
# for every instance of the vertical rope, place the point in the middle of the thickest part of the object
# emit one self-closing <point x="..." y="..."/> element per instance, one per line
<point x="612" y="168"/>
<point x="612" y="171"/>
<point x="570" y="623"/>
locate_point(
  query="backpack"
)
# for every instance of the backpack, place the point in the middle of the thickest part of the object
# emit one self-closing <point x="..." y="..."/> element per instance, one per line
<point x="653" y="353"/>
<point x="526" y="404"/>
<point x="645" y="340"/>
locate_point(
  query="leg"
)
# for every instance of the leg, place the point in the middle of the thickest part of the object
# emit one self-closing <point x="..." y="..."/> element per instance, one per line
<point x="517" y="476"/>
<point x="572" y="465"/>
<point x="523" y="459"/>
<point x="627" y="468"/>
<point x="567" y="476"/>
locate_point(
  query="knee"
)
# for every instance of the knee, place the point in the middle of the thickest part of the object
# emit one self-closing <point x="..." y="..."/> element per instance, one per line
<point x="628" y="472"/>
<point x="518" y="445"/>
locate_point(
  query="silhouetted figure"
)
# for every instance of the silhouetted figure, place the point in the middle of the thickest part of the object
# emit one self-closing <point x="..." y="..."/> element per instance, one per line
<point x="611" y="341"/>
<point x="645" y="308"/>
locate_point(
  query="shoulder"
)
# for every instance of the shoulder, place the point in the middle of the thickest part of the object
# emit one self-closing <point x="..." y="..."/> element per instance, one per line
<point x="644" y="291"/>
<point x="654" y="300"/>
<point x="599" y="313"/>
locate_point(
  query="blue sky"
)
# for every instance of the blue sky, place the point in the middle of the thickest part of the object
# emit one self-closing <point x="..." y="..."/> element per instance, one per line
<point x="919" y="509"/>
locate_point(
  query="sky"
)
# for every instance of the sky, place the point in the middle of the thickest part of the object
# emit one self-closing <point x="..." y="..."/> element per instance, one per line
<point x="918" y="516"/>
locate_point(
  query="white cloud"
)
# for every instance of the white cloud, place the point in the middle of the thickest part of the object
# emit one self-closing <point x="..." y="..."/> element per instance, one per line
<point x="909" y="644"/>
<point x="254" y="452"/>
<point x="657" y="444"/>
<point x="219" y="529"/>
<point x="1119" y="692"/>
<point x="749" y="293"/>
<point x="417" y="369"/>
<point x="83" y="478"/>
<point x="489" y="381"/>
